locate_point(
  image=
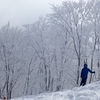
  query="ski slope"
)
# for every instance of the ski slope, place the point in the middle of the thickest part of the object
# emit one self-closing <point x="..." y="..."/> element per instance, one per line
<point x="88" y="92"/>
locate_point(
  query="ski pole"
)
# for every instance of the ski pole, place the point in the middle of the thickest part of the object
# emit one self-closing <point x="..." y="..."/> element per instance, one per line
<point x="95" y="76"/>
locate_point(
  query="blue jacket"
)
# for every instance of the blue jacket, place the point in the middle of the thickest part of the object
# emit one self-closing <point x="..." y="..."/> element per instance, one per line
<point x="84" y="72"/>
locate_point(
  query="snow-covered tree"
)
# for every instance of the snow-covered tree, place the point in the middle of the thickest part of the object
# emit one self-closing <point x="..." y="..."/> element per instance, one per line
<point x="9" y="59"/>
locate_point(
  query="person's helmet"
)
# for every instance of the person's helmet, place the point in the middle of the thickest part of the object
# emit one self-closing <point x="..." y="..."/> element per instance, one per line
<point x="85" y="65"/>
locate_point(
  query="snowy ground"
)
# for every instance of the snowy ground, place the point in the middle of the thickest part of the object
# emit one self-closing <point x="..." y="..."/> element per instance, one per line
<point x="88" y="92"/>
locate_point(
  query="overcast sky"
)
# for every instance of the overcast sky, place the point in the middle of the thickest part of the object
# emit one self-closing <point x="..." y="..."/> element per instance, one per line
<point x="20" y="12"/>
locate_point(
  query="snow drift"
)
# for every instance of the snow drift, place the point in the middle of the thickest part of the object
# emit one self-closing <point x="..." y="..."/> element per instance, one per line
<point x="88" y="92"/>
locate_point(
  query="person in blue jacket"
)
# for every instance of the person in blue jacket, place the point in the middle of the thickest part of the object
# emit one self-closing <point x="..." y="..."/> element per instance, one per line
<point x="84" y="74"/>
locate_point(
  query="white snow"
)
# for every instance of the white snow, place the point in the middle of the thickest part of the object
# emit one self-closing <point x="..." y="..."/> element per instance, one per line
<point x="87" y="92"/>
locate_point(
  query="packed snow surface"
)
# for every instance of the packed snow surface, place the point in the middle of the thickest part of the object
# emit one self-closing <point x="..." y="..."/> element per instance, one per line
<point x="88" y="92"/>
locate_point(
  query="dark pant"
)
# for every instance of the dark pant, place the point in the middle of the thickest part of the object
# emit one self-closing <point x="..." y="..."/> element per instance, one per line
<point x="83" y="82"/>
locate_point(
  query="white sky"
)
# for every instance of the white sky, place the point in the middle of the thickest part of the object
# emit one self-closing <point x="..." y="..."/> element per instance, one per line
<point x="20" y="12"/>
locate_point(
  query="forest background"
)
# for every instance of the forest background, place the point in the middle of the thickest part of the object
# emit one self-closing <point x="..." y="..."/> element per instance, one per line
<point x="49" y="54"/>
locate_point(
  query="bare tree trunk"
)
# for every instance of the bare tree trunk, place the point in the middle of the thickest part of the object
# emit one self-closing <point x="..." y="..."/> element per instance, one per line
<point x="98" y="64"/>
<point x="91" y="69"/>
<point x="45" y="77"/>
